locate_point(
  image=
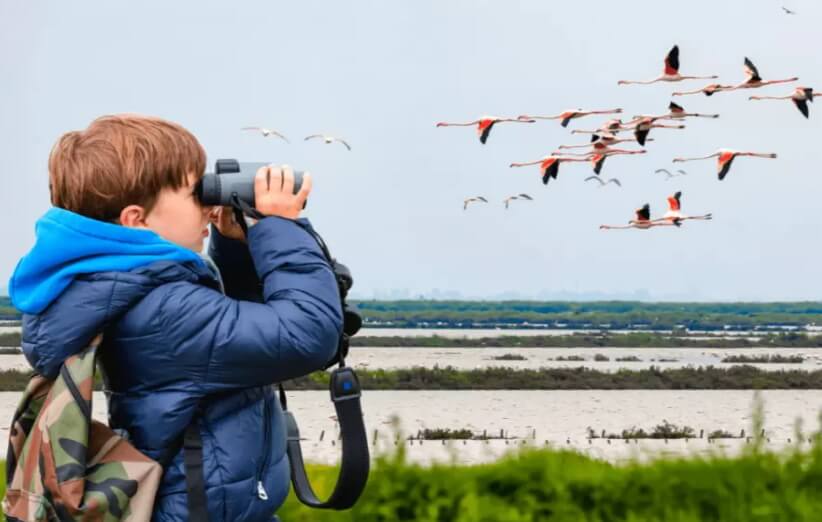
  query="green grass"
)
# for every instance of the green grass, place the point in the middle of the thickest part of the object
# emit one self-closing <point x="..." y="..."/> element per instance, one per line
<point x="537" y="485"/>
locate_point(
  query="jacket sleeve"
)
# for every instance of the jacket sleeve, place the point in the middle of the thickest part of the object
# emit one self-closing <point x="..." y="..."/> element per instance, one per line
<point x="292" y="332"/>
<point x="233" y="259"/>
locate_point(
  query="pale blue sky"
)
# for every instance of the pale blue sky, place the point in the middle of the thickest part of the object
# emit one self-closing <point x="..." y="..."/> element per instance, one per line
<point x="381" y="73"/>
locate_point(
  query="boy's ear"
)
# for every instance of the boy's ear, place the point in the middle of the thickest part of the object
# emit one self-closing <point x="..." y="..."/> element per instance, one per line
<point x="133" y="216"/>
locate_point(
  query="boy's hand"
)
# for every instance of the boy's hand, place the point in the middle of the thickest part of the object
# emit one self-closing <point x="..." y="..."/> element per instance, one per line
<point x="223" y="219"/>
<point x="273" y="192"/>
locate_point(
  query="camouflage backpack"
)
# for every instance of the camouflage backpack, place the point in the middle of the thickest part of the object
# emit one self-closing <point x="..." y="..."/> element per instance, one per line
<point x="63" y="466"/>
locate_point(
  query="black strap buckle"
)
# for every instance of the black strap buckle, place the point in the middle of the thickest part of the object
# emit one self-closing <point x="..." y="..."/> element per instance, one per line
<point x="344" y="385"/>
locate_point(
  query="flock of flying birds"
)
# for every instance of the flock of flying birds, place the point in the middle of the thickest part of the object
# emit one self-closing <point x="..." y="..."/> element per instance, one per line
<point x="603" y="139"/>
<point x="266" y="132"/>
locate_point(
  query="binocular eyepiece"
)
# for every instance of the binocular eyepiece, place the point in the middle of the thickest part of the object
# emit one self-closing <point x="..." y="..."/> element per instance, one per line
<point x="232" y="178"/>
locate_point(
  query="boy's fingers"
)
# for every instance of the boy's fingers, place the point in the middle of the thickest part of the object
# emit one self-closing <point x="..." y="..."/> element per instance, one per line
<point x="288" y="180"/>
<point x="260" y="181"/>
<point x="302" y="195"/>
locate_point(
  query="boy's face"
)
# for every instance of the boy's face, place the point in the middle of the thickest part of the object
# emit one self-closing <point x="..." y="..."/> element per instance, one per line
<point x="177" y="216"/>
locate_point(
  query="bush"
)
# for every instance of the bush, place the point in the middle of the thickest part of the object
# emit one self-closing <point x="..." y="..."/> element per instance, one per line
<point x="536" y="485"/>
<point x="509" y="357"/>
<point x="775" y="358"/>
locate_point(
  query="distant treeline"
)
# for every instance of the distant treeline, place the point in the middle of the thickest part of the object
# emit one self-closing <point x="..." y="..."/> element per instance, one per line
<point x="578" y="340"/>
<point x="448" y="378"/>
<point x="572" y="315"/>
<point x="583" y="315"/>
<point x="8" y="312"/>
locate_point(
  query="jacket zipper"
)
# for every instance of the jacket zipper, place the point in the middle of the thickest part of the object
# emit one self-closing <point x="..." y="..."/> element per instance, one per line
<point x="261" y="492"/>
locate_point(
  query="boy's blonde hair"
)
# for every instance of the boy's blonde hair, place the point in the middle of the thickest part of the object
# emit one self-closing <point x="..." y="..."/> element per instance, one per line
<point x="120" y="160"/>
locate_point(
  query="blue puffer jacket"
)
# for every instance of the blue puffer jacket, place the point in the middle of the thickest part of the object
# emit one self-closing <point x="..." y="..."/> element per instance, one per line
<point x="174" y="342"/>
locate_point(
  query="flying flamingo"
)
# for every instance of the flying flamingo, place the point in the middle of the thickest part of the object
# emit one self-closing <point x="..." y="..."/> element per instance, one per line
<point x="266" y="132"/>
<point x="597" y="160"/>
<point x="752" y="81"/>
<point x="800" y="97"/>
<point x="642" y="221"/>
<point x="670" y="72"/>
<point x="708" y="90"/>
<point x="509" y="199"/>
<point x="472" y="200"/>
<point x="644" y="126"/>
<point x="725" y="157"/>
<point x="674" y="210"/>
<point x="615" y="181"/>
<point x="609" y="127"/>
<point x="601" y="140"/>
<point x="548" y="166"/>
<point x="676" y="112"/>
<point x="484" y="125"/>
<point x="567" y="116"/>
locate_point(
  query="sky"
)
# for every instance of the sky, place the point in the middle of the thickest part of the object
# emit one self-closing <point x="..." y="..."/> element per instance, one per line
<point x="382" y="73"/>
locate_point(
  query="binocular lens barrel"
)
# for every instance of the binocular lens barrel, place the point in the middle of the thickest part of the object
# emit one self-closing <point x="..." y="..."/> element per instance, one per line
<point x="232" y="177"/>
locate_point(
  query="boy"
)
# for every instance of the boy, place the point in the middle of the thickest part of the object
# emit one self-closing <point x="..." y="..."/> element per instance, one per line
<point x="118" y="253"/>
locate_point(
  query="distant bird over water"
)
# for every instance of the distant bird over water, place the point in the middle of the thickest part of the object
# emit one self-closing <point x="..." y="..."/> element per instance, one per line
<point x="266" y="132"/>
<point x="509" y="199"/>
<point x="328" y="139"/>
<point x="473" y="200"/>
<point x="602" y="183"/>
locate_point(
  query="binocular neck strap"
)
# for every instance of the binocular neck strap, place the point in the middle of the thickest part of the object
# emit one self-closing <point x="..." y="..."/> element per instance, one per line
<point x="355" y="463"/>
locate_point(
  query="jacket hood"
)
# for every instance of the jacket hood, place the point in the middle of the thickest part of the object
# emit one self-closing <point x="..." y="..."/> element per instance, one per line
<point x="68" y="245"/>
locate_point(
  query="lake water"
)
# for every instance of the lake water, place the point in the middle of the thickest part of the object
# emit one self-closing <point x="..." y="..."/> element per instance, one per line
<point x="471" y="358"/>
<point x="558" y="417"/>
<point x="475" y="333"/>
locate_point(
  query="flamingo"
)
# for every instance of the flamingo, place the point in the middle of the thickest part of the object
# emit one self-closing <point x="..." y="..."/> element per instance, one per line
<point x="328" y="139"/>
<point x="642" y="220"/>
<point x="725" y="157"/>
<point x="800" y="97"/>
<point x="674" y="210"/>
<point x="609" y="127"/>
<point x="484" y="125"/>
<point x="266" y="132"/>
<point x="644" y="126"/>
<point x="670" y="72"/>
<point x="752" y="80"/>
<point x="597" y="160"/>
<point x="472" y="200"/>
<point x="676" y="112"/>
<point x="598" y="140"/>
<point x="569" y="115"/>
<point x="525" y="197"/>
<point x="615" y="181"/>
<point x="548" y="166"/>
<point x="708" y="90"/>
